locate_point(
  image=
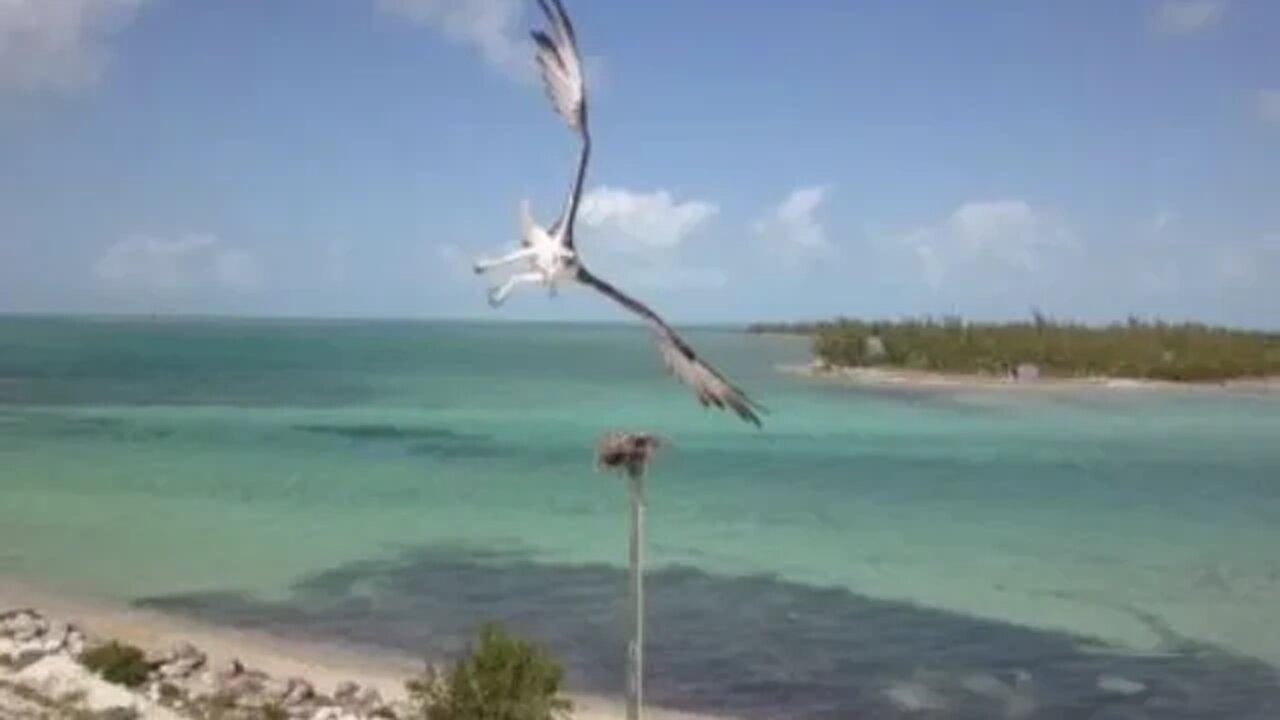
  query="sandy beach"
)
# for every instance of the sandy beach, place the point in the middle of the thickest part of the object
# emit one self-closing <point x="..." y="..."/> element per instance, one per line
<point x="925" y="380"/>
<point x="324" y="665"/>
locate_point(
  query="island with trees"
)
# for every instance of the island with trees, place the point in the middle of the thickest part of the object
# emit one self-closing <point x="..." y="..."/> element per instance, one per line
<point x="1042" y="347"/>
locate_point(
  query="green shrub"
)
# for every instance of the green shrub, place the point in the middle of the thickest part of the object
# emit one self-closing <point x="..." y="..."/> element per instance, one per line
<point x="501" y="678"/>
<point x="118" y="663"/>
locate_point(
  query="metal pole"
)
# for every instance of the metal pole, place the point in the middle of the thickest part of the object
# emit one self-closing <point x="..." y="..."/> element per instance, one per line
<point x="635" y="648"/>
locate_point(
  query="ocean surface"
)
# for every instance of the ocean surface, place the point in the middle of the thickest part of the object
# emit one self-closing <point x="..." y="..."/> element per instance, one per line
<point x="869" y="553"/>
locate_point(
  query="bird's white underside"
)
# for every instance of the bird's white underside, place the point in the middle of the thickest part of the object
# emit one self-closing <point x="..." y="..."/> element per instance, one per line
<point x="548" y="260"/>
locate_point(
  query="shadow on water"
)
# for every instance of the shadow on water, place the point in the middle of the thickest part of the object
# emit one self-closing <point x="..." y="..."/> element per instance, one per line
<point x="755" y="647"/>
<point x="433" y="441"/>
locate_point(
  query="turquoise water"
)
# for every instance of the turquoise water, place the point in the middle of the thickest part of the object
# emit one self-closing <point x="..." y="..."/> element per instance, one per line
<point x="394" y="483"/>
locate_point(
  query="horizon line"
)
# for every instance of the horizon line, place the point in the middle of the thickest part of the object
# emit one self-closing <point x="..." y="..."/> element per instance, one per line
<point x="218" y="317"/>
<point x="508" y="320"/>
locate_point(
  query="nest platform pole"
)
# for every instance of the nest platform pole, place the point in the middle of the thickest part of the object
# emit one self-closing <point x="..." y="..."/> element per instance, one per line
<point x="635" y="649"/>
<point x="631" y="453"/>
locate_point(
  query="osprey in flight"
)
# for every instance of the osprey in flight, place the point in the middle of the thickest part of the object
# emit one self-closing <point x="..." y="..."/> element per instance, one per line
<point x="550" y="252"/>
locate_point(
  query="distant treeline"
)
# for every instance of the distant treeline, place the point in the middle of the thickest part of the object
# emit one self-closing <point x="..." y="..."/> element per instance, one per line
<point x="1134" y="349"/>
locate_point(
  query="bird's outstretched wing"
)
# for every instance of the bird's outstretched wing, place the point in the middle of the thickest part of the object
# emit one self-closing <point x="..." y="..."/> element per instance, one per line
<point x="561" y="69"/>
<point x="557" y="56"/>
<point x="710" y="386"/>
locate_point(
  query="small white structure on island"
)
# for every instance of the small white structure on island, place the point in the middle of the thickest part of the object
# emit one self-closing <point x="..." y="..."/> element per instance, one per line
<point x="873" y="349"/>
<point x="1026" y="372"/>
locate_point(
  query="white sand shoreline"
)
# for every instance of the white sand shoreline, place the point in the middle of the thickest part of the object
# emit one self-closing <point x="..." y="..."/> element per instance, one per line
<point x="882" y="377"/>
<point x="324" y="665"/>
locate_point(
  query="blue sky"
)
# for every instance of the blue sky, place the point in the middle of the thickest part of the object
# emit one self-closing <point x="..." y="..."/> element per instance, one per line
<point x="753" y="160"/>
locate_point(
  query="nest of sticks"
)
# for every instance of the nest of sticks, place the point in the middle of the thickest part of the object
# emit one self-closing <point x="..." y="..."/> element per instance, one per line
<point x="626" y="451"/>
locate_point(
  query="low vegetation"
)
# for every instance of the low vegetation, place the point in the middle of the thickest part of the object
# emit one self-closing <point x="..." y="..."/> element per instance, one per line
<point x="500" y="678"/>
<point x="118" y="663"/>
<point x="1156" y="350"/>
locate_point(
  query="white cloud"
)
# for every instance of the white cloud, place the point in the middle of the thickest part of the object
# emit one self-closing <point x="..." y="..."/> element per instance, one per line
<point x="640" y="239"/>
<point x="629" y="220"/>
<point x="794" y="224"/>
<point x="1268" y="105"/>
<point x="491" y="27"/>
<point x="174" y="266"/>
<point x="1001" y="236"/>
<point x="1185" y="16"/>
<point x="58" y="45"/>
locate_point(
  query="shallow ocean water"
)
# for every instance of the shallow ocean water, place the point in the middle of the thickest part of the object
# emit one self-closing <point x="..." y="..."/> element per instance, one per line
<point x="968" y="554"/>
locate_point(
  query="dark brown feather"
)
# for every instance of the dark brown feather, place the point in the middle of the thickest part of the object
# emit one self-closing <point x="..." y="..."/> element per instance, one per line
<point x="709" y="386"/>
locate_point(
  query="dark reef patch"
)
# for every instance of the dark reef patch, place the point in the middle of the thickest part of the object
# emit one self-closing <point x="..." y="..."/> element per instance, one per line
<point x="756" y="647"/>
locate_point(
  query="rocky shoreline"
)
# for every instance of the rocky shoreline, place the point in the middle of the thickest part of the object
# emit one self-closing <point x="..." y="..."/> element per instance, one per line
<point x="45" y="673"/>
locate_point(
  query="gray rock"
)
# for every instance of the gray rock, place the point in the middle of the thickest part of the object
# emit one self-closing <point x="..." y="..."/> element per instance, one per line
<point x="201" y="683"/>
<point x="180" y="669"/>
<point x="402" y="709"/>
<point x="346" y="691"/>
<point x="299" y="691"/>
<point x="182" y="652"/>
<point x="26" y="656"/>
<point x="56" y="638"/>
<point x="12" y="618"/>
<point x="275" y="688"/>
<point x="245" y="685"/>
<point x="255" y="700"/>
<point x="327" y="713"/>
<point x="76" y="641"/>
<point x="231" y="668"/>
<point x="23" y="625"/>
<point x="369" y="700"/>
<point x="22" y="652"/>
<point x="304" y="710"/>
